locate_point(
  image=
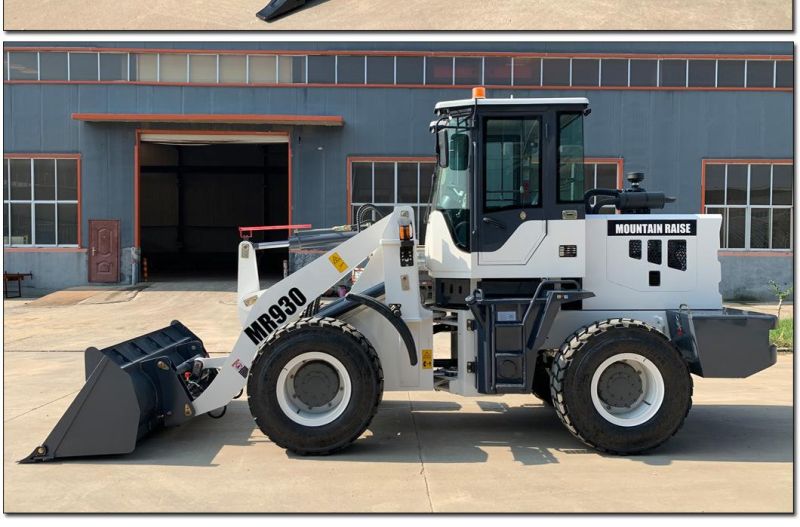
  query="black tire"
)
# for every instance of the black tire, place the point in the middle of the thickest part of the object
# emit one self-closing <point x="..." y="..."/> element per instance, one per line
<point x="312" y="308"/>
<point x="541" y="379"/>
<point x="584" y="352"/>
<point x="332" y="337"/>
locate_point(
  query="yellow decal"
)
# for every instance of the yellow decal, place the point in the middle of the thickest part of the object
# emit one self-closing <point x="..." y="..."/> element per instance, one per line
<point x="427" y="359"/>
<point x="338" y="263"/>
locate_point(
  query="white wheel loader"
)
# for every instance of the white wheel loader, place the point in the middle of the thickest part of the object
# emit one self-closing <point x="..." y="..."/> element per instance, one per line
<point x="585" y="299"/>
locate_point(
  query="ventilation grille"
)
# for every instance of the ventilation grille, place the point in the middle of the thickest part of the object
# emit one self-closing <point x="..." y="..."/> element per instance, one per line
<point x="635" y="249"/>
<point x="676" y="254"/>
<point x="654" y="251"/>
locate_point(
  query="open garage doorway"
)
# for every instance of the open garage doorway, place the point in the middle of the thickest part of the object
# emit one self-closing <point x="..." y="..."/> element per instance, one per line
<point x="196" y="190"/>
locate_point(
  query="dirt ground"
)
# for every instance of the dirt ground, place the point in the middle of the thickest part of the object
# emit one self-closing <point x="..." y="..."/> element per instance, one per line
<point x="411" y="15"/>
<point x="423" y="452"/>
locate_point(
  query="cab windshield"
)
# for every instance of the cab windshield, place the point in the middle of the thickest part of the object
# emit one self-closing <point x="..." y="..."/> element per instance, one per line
<point x="451" y="184"/>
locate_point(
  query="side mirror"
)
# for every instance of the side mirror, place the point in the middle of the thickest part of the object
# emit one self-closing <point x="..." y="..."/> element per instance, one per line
<point x="442" y="148"/>
<point x="459" y="146"/>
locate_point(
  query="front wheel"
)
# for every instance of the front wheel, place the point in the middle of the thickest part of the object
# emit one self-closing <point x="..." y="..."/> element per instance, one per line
<point x="315" y="387"/>
<point x="620" y="386"/>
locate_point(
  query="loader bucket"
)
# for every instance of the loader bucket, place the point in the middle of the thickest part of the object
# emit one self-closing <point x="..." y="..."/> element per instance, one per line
<point x="131" y="389"/>
<point x="278" y="8"/>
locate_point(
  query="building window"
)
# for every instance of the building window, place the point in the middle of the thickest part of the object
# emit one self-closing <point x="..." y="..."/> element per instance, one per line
<point x="202" y="68"/>
<point x="380" y="70"/>
<point x="730" y="73"/>
<point x="40" y="202"/>
<point x="755" y="201"/>
<point x="468" y="71"/>
<point x="643" y="72"/>
<point x="527" y="72"/>
<point x="232" y="69"/>
<point x="387" y="182"/>
<point x="585" y="72"/>
<point x="702" y="73"/>
<point x="146" y="69"/>
<point x="602" y="173"/>
<point x="113" y="66"/>
<point x="322" y="69"/>
<point x="760" y="74"/>
<point x="497" y="71"/>
<point x="172" y="67"/>
<point x="410" y="70"/>
<point x="53" y="67"/>
<point x="784" y="74"/>
<point x="615" y="72"/>
<point x="439" y="70"/>
<point x="22" y="66"/>
<point x="83" y="66"/>
<point x="292" y="70"/>
<point x="673" y="73"/>
<point x="556" y="72"/>
<point x="207" y="67"/>
<point x="262" y="69"/>
<point x="350" y="70"/>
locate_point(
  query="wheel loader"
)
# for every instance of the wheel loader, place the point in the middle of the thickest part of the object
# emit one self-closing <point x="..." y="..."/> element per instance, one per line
<point x="586" y="299"/>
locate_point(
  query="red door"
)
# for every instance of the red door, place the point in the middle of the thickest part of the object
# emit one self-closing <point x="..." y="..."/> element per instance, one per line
<point x="104" y="251"/>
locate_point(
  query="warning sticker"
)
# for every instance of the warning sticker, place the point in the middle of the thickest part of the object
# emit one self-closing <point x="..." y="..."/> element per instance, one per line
<point x="427" y="359"/>
<point x="338" y="262"/>
<point x="241" y="368"/>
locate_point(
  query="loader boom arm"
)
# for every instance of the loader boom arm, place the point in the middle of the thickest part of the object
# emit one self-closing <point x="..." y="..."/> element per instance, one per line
<point x="282" y="303"/>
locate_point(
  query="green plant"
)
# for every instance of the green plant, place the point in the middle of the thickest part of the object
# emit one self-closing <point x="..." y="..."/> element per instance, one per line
<point x="780" y="293"/>
<point x="783" y="335"/>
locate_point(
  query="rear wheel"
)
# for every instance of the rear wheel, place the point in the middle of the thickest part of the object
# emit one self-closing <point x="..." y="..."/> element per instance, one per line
<point x="620" y="386"/>
<point x="315" y="387"/>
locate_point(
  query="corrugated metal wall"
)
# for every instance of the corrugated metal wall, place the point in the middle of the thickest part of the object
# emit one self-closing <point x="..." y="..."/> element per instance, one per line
<point x="663" y="133"/>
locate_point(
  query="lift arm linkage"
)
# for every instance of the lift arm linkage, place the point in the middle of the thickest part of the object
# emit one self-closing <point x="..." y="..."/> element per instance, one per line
<point x="273" y="308"/>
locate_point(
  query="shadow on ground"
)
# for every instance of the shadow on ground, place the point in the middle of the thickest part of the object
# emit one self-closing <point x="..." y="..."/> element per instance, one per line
<point x="532" y="433"/>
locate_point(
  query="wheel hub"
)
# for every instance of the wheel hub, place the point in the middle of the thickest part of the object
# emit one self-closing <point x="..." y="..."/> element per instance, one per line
<point x="316" y="384"/>
<point x="620" y="385"/>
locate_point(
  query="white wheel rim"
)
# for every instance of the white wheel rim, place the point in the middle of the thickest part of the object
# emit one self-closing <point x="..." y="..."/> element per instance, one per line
<point x="646" y="405"/>
<point x="298" y="411"/>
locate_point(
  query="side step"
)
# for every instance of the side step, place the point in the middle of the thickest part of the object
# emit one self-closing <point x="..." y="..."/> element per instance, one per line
<point x="131" y="389"/>
<point x="512" y="330"/>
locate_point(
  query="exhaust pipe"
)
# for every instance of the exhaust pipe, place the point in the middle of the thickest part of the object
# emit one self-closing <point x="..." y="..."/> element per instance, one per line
<point x="132" y="389"/>
<point x="278" y="8"/>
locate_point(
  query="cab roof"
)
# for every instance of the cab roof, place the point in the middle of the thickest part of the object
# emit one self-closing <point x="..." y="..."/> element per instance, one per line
<point x="552" y="101"/>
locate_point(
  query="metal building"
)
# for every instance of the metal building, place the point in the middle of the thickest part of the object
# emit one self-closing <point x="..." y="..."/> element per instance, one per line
<point x="160" y="151"/>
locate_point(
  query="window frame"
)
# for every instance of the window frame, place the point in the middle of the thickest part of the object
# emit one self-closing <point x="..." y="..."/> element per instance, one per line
<point x="557" y="139"/>
<point x="619" y="162"/>
<point x="540" y="119"/>
<point x="538" y="60"/>
<point x="747" y="207"/>
<point x="418" y="160"/>
<point x="55" y="202"/>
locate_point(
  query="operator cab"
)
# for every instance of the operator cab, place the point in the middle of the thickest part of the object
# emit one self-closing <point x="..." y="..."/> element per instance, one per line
<point x="504" y="162"/>
<point x="508" y="186"/>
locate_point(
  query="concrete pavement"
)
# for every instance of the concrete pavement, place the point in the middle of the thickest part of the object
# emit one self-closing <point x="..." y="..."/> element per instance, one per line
<point x="414" y="15"/>
<point x="423" y="452"/>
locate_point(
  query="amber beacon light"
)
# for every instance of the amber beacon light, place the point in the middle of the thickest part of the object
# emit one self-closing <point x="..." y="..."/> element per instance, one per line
<point x="479" y="92"/>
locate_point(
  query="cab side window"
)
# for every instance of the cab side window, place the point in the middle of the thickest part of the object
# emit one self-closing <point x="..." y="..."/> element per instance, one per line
<point x="513" y="164"/>
<point x="570" y="157"/>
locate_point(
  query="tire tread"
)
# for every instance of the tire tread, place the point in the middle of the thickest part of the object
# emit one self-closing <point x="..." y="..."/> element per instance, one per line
<point x="324" y="322"/>
<point x="575" y="343"/>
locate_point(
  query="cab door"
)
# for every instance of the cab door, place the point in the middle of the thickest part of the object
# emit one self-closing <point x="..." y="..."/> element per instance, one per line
<point x="530" y="174"/>
<point x="509" y="204"/>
